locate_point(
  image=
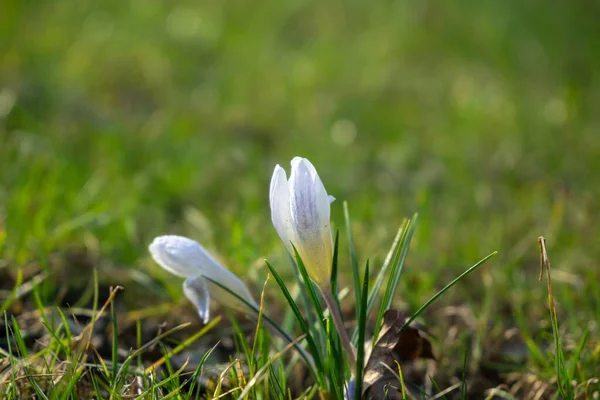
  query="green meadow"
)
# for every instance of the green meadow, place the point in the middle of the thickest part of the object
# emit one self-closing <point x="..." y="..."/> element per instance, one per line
<point x="121" y="121"/>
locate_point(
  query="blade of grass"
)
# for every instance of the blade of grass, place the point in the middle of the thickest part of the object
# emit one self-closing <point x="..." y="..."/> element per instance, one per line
<point x="401" y="378"/>
<point x="178" y="348"/>
<point x="381" y="277"/>
<point x="115" y="341"/>
<point x="448" y="286"/>
<point x="67" y="329"/>
<point x="310" y="289"/>
<point x="353" y="257"/>
<point x="463" y="386"/>
<point x="260" y="374"/>
<point x="21" y="347"/>
<point x="577" y="355"/>
<point x="70" y="390"/>
<point x="309" y="339"/>
<point x="335" y="365"/>
<point x="395" y="271"/>
<point x="385" y="267"/>
<point x="13" y="360"/>
<point x="257" y="330"/>
<point x="562" y="374"/>
<point x="307" y="358"/>
<point x="241" y="345"/>
<point x="302" y="294"/>
<point x="193" y="380"/>
<point x="174" y="376"/>
<point x="362" y="327"/>
<point x="334" y="265"/>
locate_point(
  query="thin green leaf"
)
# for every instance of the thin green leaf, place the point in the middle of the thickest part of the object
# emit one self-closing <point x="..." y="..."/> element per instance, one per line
<point x="194" y="378"/>
<point x="334" y="265"/>
<point x="448" y="286"/>
<point x="115" y="341"/>
<point x="396" y="270"/>
<point x="273" y="324"/>
<point x="309" y="338"/>
<point x="21" y="347"/>
<point x="362" y="327"/>
<point x="353" y="257"/>
<point x="385" y="267"/>
<point x="335" y="365"/>
<point x="302" y="294"/>
<point x="381" y="277"/>
<point x="463" y="386"/>
<point x="310" y="289"/>
<point x="562" y="374"/>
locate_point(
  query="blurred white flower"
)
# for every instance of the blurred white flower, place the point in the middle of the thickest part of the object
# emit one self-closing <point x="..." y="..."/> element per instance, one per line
<point x="300" y="213"/>
<point x="187" y="258"/>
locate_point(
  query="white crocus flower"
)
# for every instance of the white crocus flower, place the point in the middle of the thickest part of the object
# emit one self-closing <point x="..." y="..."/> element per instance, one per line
<point x="300" y="213"/>
<point x="188" y="259"/>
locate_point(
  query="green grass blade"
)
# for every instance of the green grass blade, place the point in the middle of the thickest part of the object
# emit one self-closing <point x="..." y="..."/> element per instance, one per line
<point x="258" y="331"/>
<point x="273" y="324"/>
<point x="309" y="338"/>
<point x="353" y="257"/>
<point x="362" y="327"/>
<point x="310" y="289"/>
<point x="335" y="366"/>
<point x="67" y="329"/>
<point x="70" y="389"/>
<point x="115" y="342"/>
<point x="381" y="277"/>
<point x="386" y="266"/>
<point x="194" y="378"/>
<point x="396" y="269"/>
<point x="240" y="341"/>
<point x="463" y="386"/>
<point x="448" y="286"/>
<point x="334" y="265"/>
<point x="177" y="349"/>
<point x="261" y="373"/>
<point x="302" y="294"/>
<point x="562" y="374"/>
<point x="577" y="355"/>
<point x="320" y="334"/>
<point x="21" y="347"/>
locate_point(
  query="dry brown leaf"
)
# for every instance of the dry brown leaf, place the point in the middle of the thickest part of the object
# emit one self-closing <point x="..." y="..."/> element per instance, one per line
<point x="394" y="346"/>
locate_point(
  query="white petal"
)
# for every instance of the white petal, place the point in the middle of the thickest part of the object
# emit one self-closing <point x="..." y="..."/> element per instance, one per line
<point x="196" y="290"/>
<point x="182" y="256"/>
<point x="185" y="257"/>
<point x="305" y="181"/>
<point x="310" y="212"/>
<point x="279" y="199"/>
<point x="309" y="201"/>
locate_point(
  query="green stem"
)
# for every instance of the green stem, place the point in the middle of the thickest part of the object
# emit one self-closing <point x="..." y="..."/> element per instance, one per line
<point x="339" y="325"/>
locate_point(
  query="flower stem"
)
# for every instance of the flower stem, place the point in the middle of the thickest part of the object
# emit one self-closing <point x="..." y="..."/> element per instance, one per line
<point x="339" y="325"/>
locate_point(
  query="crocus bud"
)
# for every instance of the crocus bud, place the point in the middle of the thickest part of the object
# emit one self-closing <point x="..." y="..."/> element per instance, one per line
<point x="188" y="259"/>
<point x="300" y="213"/>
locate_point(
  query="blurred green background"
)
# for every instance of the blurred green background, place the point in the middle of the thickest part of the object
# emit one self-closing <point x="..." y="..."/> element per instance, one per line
<point x="123" y="120"/>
